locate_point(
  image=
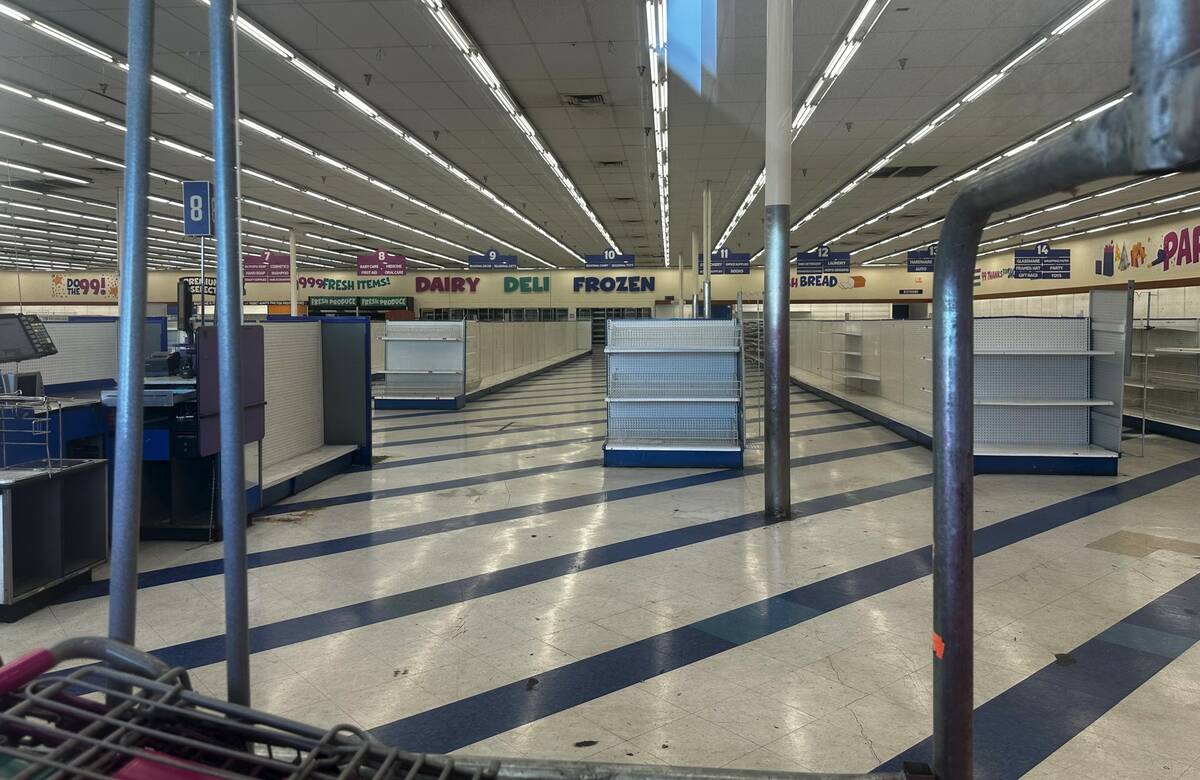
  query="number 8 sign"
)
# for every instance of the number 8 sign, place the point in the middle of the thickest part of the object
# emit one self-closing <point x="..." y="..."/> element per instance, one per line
<point x="197" y="208"/>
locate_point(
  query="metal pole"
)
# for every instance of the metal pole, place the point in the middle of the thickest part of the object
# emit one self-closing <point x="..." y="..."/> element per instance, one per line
<point x="695" y="272"/>
<point x="679" y="257"/>
<point x="1157" y="130"/>
<point x="776" y="298"/>
<point x="134" y="216"/>
<point x="708" y="251"/>
<point x="222" y="65"/>
<point x="292" y="267"/>
<point x="203" y="281"/>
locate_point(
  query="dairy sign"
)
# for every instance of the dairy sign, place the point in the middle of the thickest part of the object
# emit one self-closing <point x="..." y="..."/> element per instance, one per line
<point x="100" y="287"/>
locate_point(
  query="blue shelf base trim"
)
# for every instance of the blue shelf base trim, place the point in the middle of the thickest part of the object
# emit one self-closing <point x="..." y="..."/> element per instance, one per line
<point x="895" y="426"/>
<point x="306" y="479"/>
<point x="476" y="394"/>
<point x="73" y="387"/>
<point x="673" y="459"/>
<point x="457" y="402"/>
<point x="11" y="613"/>
<point x="1163" y="428"/>
<point x="1064" y="465"/>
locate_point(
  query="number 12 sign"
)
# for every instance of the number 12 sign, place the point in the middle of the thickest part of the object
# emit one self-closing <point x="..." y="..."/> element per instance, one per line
<point x="197" y="208"/>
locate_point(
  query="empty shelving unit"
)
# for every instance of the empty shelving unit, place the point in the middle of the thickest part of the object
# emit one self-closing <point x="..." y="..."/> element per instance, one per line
<point x="425" y="365"/>
<point x="674" y="393"/>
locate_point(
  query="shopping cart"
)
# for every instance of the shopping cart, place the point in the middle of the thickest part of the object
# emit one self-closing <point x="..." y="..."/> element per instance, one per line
<point x="133" y="717"/>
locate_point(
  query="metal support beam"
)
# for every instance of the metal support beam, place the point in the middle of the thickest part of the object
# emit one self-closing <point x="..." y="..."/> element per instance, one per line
<point x="1157" y="130"/>
<point x="131" y="329"/>
<point x="777" y="201"/>
<point x="679" y="259"/>
<point x="227" y="210"/>
<point x="292" y="267"/>
<point x="708" y="250"/>
<point x="695" y="273"/>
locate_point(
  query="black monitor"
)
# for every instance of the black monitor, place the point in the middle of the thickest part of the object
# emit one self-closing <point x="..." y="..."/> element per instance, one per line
<point x="23" y="337"/>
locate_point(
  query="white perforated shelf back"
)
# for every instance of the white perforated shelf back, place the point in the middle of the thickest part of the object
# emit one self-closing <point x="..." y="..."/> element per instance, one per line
<point x="295" y="400"/>
<point x="87" y="351"/>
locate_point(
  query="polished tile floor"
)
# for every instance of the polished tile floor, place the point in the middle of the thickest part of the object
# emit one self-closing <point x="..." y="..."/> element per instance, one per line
<point x="490" y="589"/>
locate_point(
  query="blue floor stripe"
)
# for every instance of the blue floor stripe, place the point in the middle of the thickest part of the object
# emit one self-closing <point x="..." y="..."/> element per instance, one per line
<point x="298" y="552"/>
<point x="1018" y="729"/>
<point x="464" y="722"/>
<point x="396" y="464"/>
<point x="332" y="621"/>
<point x="483" y="479"/>
<point x="479" y="434"/>
<point x="478" y="420"/>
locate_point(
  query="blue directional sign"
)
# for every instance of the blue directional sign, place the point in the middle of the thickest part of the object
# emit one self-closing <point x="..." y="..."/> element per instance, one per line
<point x="920" y="261"/>
<point x="1042" y="262"/>
<point x="822" y="261"/>
<point x="726" y="262"/>
<point x="492" y="259"/>
<point x="197" y="208"/>
<point x="608" y="259"/>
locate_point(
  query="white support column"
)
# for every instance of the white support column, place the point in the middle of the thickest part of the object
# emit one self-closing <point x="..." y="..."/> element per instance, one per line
<point x="292" y="267"/>
<point x="708" y="250"/>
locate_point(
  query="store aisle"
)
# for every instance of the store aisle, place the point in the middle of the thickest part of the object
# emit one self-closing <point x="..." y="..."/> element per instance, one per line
<point x="490" y="588"/>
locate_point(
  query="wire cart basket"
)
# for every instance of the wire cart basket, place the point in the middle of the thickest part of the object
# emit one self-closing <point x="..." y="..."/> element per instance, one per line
<point x="25" y="425"/>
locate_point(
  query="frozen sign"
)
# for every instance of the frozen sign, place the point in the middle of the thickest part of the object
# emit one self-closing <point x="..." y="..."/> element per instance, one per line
<point x="267" y="266"/>
<point x="1042" y="262"/>
<point x="382" y="263"/>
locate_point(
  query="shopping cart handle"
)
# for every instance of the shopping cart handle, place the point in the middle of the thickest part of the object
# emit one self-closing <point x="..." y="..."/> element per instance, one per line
<point x="118" y="655"/>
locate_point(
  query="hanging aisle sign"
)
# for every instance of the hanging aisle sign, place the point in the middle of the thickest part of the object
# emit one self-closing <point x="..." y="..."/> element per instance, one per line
<point x="920" y="261"/>
<point x="382" y="263"/>
<point x="267" y="267"/>
<point x="608" y="259"/>
<point x="822" y="261"/>
<point x="1042" y="262"/>
<point x="492" y="260"/>
<point x="726" y="262"/>
<point x="197" y="208"/>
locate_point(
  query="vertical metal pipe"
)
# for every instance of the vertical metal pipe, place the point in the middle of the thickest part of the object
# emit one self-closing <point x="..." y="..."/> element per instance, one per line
<point x="679" y="257"/>
<point x="708" y="251"/>
<point x="127" y="466"/>
<point x="223" y="66"/>
<point x="695" y="273"/>
<point x="292" y="267"/>
<point x="777" y="200"/>
<point x="203" y="280"/>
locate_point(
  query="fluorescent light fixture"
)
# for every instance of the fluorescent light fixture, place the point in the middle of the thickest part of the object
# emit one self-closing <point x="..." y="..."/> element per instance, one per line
<point x="356" y="101"/>
<point x="70" y="109"/>
<point x="167" y="142"/>
<point x="313" y="74"/>
<point x="199" y="100"/>
<point x="15" y="90"/>
<point x="64" y="177"/>
<point x="13" y="13"/>
<point x="251" y="29"/>
<point x="71" y="40"/>
<point x="262" y="129"/>
<point x="1078" y="16"/>
<point x="169" y="85"/>
<point x="983" y="87"/>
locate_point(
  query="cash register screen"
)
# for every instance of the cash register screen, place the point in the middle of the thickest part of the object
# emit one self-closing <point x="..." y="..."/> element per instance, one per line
<point x="23" y="338"/>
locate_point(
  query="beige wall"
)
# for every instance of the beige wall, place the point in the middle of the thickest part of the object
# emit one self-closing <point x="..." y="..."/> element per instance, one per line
<point x="556" y="289"/>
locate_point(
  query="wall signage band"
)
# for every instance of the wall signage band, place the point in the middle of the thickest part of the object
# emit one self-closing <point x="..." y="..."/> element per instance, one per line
<point x="822" y="261"/>
<point x="607" y="284"/>
<point x="527" y="284"/>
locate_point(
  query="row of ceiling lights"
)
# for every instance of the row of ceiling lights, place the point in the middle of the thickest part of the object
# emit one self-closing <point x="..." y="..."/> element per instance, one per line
<point x="656" y="35"/>
<point x="345" y="94"/>
<point x="864" y="22"/>
<point x="479" y="64"/>
<point x="297" y="215"/>
<point x="192" y="152"/>
<point x="972" y="94"/>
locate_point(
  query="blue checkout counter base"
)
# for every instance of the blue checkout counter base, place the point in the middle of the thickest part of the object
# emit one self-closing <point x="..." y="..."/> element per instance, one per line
<point x="457" y="402"/>
<point x="11" y="613"/>
<point x="1060" y="465"/>
<point x="673" y="459"/>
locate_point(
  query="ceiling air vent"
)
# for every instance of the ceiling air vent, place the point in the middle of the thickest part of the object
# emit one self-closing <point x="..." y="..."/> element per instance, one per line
<point x="610" y="163"/>
<point x="582" y="100"/>
<point x="43" y="185"/>
<point x="902" y="171"/>
<point x="623" y="199"/>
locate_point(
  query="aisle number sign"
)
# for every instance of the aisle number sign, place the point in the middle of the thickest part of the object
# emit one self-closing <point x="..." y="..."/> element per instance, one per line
<point x="920" y="261"/>
<point x="609" y="259"/>
<point x="822" y="261"/>
<point x="382" y="263"/>
<point x="1042" y="262"/>
<point x="266" y="267"/>
<point x="197" y="208"/>
<point x="726" y="262"/>
<point x="492" y="259"/>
